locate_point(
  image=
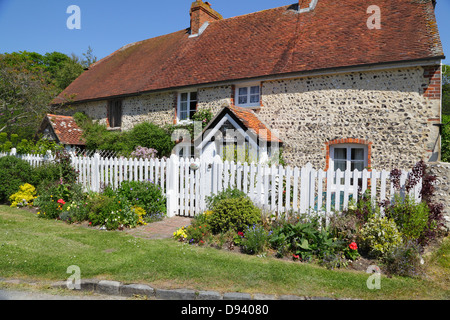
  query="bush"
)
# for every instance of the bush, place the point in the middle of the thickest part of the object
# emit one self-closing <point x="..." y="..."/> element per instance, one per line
<point x="229" y="193"/>
<point x="379" y="236"/>
<point x="410" y="218"/>
<point x="150" y="135"/>
<point x="111" y="212"/>
<point x="14" y="172"/>
<point x="24" y="197"/>
<point x="233" y="214"/>
<point x="144" y="194"/>
<point x="45" y="174"/>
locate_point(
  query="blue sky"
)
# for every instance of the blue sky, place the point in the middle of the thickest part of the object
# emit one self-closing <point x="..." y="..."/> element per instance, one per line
<point x="40" y="25"/>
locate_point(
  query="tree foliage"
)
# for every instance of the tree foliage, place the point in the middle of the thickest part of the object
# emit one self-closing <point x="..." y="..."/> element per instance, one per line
<point x="28" y="83"/>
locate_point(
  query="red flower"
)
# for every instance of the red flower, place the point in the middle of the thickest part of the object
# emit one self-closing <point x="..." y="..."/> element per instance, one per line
<point x="295" y="257"/>
<point x="61" y="201"/>
<point x="240" y="233"/>
<point x="353" y="246"/>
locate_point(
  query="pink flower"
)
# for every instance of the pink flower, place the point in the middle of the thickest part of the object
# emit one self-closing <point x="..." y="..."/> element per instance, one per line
<point x="353" y="246"/>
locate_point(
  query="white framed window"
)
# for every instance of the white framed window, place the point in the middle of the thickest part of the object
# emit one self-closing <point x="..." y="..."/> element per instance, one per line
<point x="248" y="95"/>
<point x="187" y="106"/>
<point x="348" y="157"/>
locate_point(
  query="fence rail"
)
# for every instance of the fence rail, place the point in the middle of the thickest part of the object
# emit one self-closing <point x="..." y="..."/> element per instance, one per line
<point x="187" y="182"/>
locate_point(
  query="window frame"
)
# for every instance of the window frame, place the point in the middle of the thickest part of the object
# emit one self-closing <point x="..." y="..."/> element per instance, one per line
<point x="189" y="101"/>
<point x="348" y="147"/>
<point x="248" y="86"/>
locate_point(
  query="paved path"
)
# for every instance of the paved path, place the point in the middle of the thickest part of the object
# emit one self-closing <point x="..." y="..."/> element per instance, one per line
<point x="160" y="230"/>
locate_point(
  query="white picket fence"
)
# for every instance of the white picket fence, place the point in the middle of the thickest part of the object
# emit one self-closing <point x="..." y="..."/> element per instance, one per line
<point x="187" y="182"/>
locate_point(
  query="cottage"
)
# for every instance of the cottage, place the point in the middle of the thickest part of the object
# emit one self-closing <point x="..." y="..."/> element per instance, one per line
<point x="338" y="86"/>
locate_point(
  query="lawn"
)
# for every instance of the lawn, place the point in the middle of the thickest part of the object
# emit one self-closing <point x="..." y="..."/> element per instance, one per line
<point x="32" y="248"/>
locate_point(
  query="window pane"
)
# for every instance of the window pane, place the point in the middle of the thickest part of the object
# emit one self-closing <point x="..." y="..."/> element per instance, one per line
<point x="340" y="153"/>
<point x="242" y="99"/>
<point x="254" y="90"/>
<point x="184" y="97"/>
<point x="183" y="115"/>
<point x="357" y="165"/>
<point x="357" y="154"/>
<point x="254" y="98"/>
<point x="193" y="106"/>
<point x="339" y="164"/>
<point x="193" y="96"/>
<point x="243" y="91"/>
<point x="183" y="107"/>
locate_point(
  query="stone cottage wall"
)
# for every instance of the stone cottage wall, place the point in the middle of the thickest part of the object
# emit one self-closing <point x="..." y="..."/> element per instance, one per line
<point x="393" y="111"/>
<point x="384" y="108"/>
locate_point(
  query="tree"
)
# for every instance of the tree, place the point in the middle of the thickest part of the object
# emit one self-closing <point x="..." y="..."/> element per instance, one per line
<point x="446" y="89"/>
<point x="28" y="83"/>
<point x="25" y="92"/>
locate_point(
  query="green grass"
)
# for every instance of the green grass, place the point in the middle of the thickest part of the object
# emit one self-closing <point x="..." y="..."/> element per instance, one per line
<point x="32" y="248"/>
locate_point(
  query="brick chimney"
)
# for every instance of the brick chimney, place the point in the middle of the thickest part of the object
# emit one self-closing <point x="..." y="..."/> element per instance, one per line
<point x="201" y="12"/>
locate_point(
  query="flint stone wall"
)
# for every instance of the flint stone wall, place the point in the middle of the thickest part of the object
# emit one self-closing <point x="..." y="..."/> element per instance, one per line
<point x="386" y="108"/>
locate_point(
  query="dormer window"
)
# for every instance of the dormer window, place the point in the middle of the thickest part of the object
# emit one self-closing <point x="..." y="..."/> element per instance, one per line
<point x="248" y="95"/>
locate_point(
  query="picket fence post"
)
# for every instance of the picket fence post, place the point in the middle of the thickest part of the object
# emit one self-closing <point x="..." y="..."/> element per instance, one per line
<point x="172" y="186"/>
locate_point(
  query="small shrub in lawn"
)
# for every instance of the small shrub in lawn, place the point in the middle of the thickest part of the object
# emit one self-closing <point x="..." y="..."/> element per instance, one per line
<point x="233" y="214"/>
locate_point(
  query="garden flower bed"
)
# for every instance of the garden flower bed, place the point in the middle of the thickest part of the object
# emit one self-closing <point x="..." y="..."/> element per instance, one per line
<point x="391" y="235"/>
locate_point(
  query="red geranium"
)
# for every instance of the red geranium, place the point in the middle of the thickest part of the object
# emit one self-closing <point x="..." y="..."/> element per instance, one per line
<point x="61" y="201"/>
<point x="353" y="246"/>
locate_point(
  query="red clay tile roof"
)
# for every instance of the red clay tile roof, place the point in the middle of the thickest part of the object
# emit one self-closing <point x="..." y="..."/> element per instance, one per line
<point x="66" y="130"/>
<point x="270" y="42"/>
<point x="252" y="122"/>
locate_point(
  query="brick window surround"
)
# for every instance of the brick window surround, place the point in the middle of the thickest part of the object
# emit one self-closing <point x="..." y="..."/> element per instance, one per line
<point x="349" y="141"/>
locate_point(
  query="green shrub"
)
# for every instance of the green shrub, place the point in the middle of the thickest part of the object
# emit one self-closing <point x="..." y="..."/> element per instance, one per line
<point x="379" y="236"/>
<point x="144" y="194"/>
<point x="229" y="193"/>
<point x="410" y="218"/>
<point x="14" y="172"/>
<point x="45" y="175"/>
<point x="233" y="214"/>
<point x="150" y="135"/>
<point x="111" y="212"/>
